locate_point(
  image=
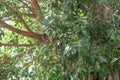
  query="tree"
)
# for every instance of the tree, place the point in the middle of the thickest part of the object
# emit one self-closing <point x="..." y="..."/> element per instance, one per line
<point x="59" y="39"/>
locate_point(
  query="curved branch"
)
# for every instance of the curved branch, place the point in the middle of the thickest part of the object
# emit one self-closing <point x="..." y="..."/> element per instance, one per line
<point x="18" y="31"/>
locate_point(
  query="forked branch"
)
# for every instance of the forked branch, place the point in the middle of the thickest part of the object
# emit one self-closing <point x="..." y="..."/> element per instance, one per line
<point x="19" y="17"/>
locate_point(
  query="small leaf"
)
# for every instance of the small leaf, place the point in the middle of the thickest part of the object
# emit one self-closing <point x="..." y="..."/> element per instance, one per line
<point x="114" y="60"/>
<point x="81" y="14"/>
<point x="102" y="59"/>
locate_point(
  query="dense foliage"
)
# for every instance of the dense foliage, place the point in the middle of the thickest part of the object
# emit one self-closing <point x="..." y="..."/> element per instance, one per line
<point x="66" y="39"/>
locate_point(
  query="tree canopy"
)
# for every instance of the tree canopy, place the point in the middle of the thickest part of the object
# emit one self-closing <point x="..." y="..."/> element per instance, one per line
<point x="60" y="39"/>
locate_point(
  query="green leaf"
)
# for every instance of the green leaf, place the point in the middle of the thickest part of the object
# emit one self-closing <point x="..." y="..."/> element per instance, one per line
<point x="115" y="59"/>
<point x="102" y="59"/>
<point x="81" y="14"/>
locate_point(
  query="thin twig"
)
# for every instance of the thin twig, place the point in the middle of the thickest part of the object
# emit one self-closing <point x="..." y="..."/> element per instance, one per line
<point x="29" y="15"/>
<point x="18" y="45"/>
<point x="9" y="59"/>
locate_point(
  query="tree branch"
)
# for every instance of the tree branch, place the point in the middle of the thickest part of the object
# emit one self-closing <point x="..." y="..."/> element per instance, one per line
<point x="18" y="31"/>
<point x="6" y="60"/>
<point x="17" y="45"/>
<point x="29" y="15"/>
<point x="36" y="15"/>
<point x="34" y="59"/>
<point x="20" y="18"/>
<point x="40" y="37"/>
<point x="117" y="47"/>
<point x="37" y="10"/>
<point x="30" y="8"/>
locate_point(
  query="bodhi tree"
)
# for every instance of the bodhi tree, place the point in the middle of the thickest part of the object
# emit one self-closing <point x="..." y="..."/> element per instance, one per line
<point x="60" y="39"/>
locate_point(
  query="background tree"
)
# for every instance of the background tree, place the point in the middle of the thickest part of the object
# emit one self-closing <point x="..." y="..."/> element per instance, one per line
<point x="60" y="39"/>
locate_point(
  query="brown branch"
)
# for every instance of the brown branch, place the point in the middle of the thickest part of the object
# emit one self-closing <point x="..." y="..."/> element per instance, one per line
<point x="18" y="31"/>
<point x="29" y="15"/>
<point x="91" y="76"/>
<point x="17" y="45"/>
<point x="40" y="37"/>
<point x="34" y="59"/>
<point x="37" y="10"/>
<point x="56" y="1"/>
<point x="35" y="6"/>
<point x="22" y="21"/>
<point x="46" y="0"/>
<point x="36" y="16"/>
<point x="30" y="8"/>
<point x="19" y="17"/>
<point x="6" y="60"/>
<point x="116" y="47"/>
<point x="1" y="1"/>
<point x="56" y="7"/>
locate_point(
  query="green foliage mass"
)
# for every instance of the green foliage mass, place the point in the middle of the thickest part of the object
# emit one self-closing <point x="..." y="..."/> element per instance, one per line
<point x="82" y="43"/>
